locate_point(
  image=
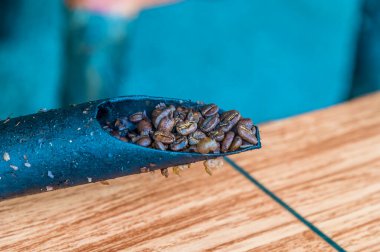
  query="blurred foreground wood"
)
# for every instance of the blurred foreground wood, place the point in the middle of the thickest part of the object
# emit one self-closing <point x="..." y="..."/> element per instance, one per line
<point x="325" y="165"/>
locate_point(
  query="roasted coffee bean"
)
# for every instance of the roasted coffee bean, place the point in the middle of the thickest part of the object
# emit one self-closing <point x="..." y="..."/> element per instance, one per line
<point x="137" y="117"/>
<point x="160" y="146"/>
<point x="207" y="145"/>
<point x="194" y="116"/>
<point x="186" y="127"/>
<point x="161" y="106"/>
<point x="131" y="135"/>
<point x="192" y="148"/>
<point x="246" y="122"/>
<point x="144" y="127"/>
<point x="165" y="172"/>
<point x="246" y="133"/>
<point x="121" y="124"/>
<point x="245" y="144"/>
<point x="158" y="117"/>
<point x="229" y="137"/>
<point x="209" y="110"/>
<point x="236" y="143"/>
<point x="163" y="137"/>
<point x="217" y="150"/>
<point x="210" y="123"/>
<point x="195" y="137"/>
<point x="144" y="141"/>
<point x="218" y="135"/>
<point x="166" y="124"/>
<point x="228" y="120"/>
<point x="179" y="144"/>
<point x="181" y="113"/>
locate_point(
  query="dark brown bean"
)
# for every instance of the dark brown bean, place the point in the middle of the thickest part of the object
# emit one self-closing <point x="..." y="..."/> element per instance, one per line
<point x="207" y="145"/>
<point x="194" y="116"/>
<point x="144" y="127"/>
<point x="210" y="123"/>
<point x="228" y="120"/>
<point x="121" y="124"/>
<point x="179" y="144"/>
<point x="246" y="122"/>
<point x="181" y="113"/>
<point x="164" y="137"/>
<point x="217" y="150"/>
<point x="218" y="135"/>
<point x="160" y="146"/>
<point x="137" y="117"/>
<point x="236" y="143"/>
<point x="209" y="110"/>
<point x="132" y="134"/>
<point x="166" y="124"/>
<point x="227" y="141"/>
<point x="195" y="137"/>
<point x="144" y="141"/>
<point x="186" y="127"/>
<point x="245" y="144"/>
<point x="192" y="148"/>
<point x="246" y="134"/>
<point x="165" y="172"/>
<point x="158" y="117"/>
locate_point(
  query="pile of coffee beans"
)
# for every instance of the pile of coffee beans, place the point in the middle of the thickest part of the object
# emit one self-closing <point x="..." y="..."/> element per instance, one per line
<point x="187" y="129"/>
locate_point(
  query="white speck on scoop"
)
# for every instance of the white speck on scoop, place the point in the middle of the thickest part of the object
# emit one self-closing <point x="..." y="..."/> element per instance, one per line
<point x="50" y="174"/>
<point x="27" y="164"/>
<point x="89" y="180"/>
<point x="6" y="157"/>
<point x="14" y="167"/>
<point x="49" y="188"/>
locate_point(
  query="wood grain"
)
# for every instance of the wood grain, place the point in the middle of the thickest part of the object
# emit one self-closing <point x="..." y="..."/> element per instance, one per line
<point x="326" y="166"/>
<point x="150" y="213"/>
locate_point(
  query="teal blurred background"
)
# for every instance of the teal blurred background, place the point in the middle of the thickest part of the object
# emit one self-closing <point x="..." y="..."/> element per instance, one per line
<point x="269" y="59"/>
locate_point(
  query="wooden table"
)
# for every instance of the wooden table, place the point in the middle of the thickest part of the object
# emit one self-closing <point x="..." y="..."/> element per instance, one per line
<point x="315" y="186"/>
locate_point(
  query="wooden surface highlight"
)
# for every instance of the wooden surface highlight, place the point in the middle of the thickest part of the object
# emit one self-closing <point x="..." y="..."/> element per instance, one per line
<point x="326" y="166"/>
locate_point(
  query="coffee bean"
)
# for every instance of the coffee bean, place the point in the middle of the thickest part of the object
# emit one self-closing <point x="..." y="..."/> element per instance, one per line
<point x="121" y="124"/>
<point x="210" y="123"/>
<point x="218" y="135"/>
<point x="217" y="150"/>
<point x="192" y="148"/>
<point x="144" y="127"/>
<point x="236" y="143"/>
<point x="246" y="122"/>
<point x="160" y="146"/>
<point x="245" y="144"/>
<point x="159" y="115"/>
<point x="179" y="144"/>
<point x="246" y="133"/>
<point x="228" y="120"/>
<point x="144" y="141"/>
<point x="186" y="127"/>
<point x="195" y="137"/>
<point x="207" y="145"/>
<point x="209" y="110"/>
<point x="137" y="117"/>
<point x="227" y="141"/>
<point x="164" y="137"/>
<point x="166" y="124"/>
<point x="181" y="113"/>
<point x="194" y="116"/>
